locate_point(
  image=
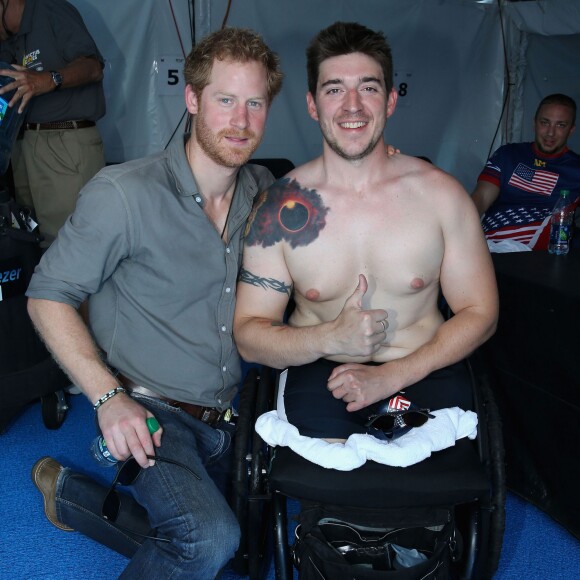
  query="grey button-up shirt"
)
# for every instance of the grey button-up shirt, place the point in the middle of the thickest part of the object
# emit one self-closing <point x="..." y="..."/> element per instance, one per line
<point x="161" y="281"/>
<point x="52" y="34"/>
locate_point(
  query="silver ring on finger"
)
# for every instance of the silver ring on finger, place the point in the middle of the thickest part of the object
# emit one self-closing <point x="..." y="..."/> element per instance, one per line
<point x="384" y="325"/>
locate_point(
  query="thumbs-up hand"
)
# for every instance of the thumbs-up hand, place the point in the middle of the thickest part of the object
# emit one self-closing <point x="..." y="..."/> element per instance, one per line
<point x="358" y="332"/>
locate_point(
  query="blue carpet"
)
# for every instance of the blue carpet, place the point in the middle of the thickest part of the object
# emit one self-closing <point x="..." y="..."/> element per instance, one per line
<point x="535" y="547"/>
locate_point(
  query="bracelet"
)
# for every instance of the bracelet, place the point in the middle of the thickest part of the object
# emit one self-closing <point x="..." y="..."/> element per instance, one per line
<point x="108" y="396"/>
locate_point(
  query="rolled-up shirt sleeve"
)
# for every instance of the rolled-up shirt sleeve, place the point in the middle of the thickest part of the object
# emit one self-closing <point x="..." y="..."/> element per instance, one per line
<point x="89" y="247"/>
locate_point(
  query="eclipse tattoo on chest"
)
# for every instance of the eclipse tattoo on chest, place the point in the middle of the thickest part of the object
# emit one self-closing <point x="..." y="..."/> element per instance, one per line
<point x="286" y="211"/>
<point x="266" y="283"/>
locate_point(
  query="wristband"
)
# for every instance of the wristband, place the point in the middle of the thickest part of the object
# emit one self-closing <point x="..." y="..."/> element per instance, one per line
<point x="108" y="396"/>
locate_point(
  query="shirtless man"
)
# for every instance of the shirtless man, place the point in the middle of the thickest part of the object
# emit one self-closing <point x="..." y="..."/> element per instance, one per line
<point x="364" y="243"/>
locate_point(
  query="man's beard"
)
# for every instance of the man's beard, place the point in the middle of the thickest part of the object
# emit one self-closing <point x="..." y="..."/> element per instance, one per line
<point x="348" y="156"/>
<point x="340" y="150"/>
<point x="555" y="149"/>
<point x="213" y="145"/>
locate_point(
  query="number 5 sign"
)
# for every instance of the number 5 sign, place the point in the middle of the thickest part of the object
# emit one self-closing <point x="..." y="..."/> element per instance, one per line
<point x="170" y="75"/>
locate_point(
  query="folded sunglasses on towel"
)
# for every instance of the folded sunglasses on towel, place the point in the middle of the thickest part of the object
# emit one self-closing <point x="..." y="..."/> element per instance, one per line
<point x="393" y="417"/>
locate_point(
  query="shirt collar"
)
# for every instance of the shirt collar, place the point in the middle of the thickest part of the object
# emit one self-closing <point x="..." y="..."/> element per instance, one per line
<point x="539" y="153"/>
<point x="27" y="17"/>
<point x="185" y="180"/>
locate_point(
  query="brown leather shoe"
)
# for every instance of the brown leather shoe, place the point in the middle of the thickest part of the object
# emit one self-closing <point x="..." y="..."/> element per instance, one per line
<point x="44" y="475"/>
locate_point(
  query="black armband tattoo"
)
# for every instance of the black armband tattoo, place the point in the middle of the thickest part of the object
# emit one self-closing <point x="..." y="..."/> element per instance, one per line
<point x="266" y="283"/>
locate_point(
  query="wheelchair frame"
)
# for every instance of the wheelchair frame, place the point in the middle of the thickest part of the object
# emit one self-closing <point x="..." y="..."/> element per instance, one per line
<point x="262" y="509"/>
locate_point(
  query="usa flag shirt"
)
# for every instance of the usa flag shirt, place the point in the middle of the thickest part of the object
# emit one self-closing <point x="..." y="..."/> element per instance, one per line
<point x="529" y="182"/>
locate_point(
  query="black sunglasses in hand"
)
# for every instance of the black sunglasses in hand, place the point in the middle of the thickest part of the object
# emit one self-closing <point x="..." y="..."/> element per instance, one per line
<point x="127" y="473"/>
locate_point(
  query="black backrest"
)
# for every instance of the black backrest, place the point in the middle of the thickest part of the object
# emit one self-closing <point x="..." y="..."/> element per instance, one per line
<point x="278" y="166"/>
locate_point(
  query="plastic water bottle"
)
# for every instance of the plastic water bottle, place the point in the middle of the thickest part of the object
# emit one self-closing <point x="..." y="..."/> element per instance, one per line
<point x="561" y="225"/>
<point x="101" y="453"/>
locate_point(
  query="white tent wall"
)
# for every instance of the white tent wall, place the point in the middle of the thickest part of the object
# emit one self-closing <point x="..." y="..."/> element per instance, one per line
<point x="448" y="55"/>
<point x="544" y="58"/>
<point x="144" y="43"/>
<point x="559" y="73"/>
<point x="448" y="61"/>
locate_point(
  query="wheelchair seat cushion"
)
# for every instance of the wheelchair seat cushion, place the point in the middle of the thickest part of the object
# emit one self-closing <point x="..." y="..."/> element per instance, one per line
<point x="451" y="476"/>
<point x="440" y="432"/>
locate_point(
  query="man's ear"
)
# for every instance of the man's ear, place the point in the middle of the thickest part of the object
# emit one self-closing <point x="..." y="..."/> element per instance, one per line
<point x="392" y="101"/>
<point x="191" y="100"/>
<point x="311" y="106"/>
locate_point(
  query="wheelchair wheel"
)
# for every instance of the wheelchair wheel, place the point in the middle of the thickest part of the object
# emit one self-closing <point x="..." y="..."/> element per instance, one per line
<point x="54" y="408"/>
<point x="260" y="536"/>
<point x="496" y="469"/>
<point x="485" y="548"/>
<point x="252" y="501"/>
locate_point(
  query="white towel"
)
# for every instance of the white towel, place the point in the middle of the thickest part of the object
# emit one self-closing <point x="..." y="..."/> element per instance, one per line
<point x="416" y="445"/>
<point x="506" y="246"/>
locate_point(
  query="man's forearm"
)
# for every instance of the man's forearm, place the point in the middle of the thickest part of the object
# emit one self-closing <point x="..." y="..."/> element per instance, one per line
<point x="278" y="345"/>
<point x="484" y="195"/>
<point x="454" y="340"/>
<point x="354" y="332"/>
<point x="68" y="339"/>
<point x="81" y="71"/>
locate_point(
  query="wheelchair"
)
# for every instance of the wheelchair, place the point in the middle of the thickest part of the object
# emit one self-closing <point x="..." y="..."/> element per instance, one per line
<point x="467" y="480"/>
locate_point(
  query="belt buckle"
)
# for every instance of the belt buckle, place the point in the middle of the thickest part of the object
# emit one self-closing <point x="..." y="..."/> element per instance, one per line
<point x="206" y="416"/>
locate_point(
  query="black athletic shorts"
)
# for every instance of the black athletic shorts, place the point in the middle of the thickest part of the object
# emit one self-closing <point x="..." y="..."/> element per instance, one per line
<point x="310" y="406"/>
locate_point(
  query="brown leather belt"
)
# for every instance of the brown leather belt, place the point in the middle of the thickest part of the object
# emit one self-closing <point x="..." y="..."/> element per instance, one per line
<point x="59" y="125"/>
<point x="209" y="415"/>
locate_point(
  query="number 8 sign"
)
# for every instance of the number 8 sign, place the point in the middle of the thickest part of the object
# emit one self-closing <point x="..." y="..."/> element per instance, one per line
<point x="402" y="82"/>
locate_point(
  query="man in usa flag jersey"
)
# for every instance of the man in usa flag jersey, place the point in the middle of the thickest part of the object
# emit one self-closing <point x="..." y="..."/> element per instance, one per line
<point x="521" y="182"/>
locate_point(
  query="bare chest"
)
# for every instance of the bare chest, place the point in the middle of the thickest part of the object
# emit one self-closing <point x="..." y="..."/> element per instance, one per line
<point x="397" y="246"/>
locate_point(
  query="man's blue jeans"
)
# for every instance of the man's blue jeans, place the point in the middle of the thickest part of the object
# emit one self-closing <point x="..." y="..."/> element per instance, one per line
<point x="170" y="503"/>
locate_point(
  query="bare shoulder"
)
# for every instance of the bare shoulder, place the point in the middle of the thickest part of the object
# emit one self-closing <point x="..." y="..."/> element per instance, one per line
<point x="309" y="174"/>
<point x="432" y="182"/>
<point x="283" y="210"/>
<point x="419" y="169"/>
